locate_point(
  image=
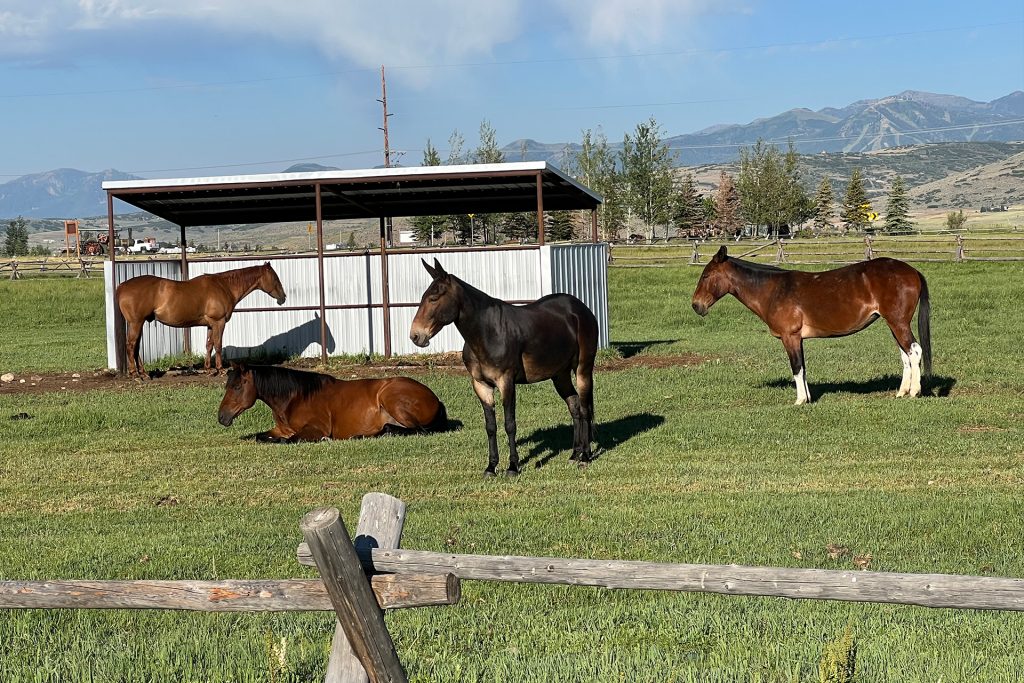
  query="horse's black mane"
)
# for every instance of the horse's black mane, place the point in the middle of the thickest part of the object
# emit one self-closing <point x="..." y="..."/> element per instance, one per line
<point x="276" y="382"/>
<point x="762" y="267"/>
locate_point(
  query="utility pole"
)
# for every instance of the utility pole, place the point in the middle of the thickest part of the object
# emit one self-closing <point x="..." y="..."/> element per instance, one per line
<point x="387" y="148"/>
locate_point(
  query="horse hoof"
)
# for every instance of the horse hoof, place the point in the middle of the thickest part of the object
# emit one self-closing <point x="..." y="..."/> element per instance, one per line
<point x="488" y="474"/>
<point x="511" y="472"/>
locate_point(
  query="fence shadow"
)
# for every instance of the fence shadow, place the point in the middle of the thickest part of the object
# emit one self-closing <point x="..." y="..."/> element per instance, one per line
<point x="546" y="443"/>
<point x="937" y="386"/>
<point x="630" y="349"/>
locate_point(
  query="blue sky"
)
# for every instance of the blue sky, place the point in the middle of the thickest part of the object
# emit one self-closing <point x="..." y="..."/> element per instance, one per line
<point x="166" y="88"/>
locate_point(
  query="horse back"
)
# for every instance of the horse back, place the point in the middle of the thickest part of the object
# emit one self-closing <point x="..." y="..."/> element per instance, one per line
<point x="556" y="331"/>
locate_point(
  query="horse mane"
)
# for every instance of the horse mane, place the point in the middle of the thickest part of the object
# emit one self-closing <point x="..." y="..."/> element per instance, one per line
<point x="760" y="267"/>
<point x="274" y="382"/>
<point x="239" y="275"/>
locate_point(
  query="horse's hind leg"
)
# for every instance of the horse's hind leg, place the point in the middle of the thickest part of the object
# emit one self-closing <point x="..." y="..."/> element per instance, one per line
<point x="507" y="387"/>
<point x="910" y="354"/>
<point x="133" y="340"/>
<point x="585" y="387"/>
<point x="564" y="387"/>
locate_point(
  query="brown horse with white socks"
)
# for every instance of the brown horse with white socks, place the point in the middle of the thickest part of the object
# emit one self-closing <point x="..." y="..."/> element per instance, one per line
<point x="204" y="301"/>
<point x="506" y="345"/>
<point x="798" y="305"/>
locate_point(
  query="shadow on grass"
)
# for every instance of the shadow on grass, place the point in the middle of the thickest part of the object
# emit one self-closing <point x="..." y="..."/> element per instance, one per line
<point x="630" y="349"/>
<point x="938" y="386"/>
<point x="452" y="426"/>
<point x="544" y="444"/>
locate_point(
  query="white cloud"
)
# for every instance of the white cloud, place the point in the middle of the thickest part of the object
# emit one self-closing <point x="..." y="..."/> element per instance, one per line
<point x="397" y="32"/>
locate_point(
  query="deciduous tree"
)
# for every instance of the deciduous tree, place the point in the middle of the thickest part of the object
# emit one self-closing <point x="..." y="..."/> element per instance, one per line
<point x="647" y="170"/>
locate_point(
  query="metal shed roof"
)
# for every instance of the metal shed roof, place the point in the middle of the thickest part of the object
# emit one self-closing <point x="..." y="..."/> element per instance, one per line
<point x="367" y="193"/>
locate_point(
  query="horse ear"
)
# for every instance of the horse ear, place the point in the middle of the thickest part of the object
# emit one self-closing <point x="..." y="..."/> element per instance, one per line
<point x="433" y="273"/>
<point x="721" y="255"/>
<point x="439" y="268"/>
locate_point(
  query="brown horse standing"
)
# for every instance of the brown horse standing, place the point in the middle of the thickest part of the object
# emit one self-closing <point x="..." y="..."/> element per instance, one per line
<point x="309" y="406"/>
<point x="207" y="300"/>
<point x="798" y="305"/>
<point x="508" y="345"/>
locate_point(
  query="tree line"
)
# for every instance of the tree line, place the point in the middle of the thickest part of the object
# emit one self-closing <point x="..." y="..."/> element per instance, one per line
<point x="643" y="190"/>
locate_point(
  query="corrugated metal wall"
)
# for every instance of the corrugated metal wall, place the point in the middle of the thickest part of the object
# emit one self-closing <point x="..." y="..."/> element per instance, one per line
<point x="355" y="280"/>
<point x="582" y="270"/>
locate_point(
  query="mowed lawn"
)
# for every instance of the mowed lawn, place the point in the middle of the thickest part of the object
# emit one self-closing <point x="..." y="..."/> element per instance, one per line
<point x="703" y="462"/>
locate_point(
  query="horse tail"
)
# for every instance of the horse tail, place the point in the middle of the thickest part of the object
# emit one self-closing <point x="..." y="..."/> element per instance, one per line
<point x="440" y="421"/>
<point x="924" y="329"/>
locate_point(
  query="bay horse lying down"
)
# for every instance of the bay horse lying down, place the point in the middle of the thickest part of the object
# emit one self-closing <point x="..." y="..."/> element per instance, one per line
<point x="798" y="305"/>
<point x="204" y="301"/>
<point x="309" y="406"/>
<point x="507" y="345"/>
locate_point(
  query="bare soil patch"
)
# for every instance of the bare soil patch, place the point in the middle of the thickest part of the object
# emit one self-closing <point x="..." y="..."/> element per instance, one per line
<point x="451" y="363"/>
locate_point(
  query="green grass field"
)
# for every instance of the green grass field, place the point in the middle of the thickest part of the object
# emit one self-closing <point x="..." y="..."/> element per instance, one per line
<point x="706" y="462"/>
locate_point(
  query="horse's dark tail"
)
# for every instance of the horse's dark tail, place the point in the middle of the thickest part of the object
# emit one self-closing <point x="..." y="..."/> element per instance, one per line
<point x="440" y="422"/>
<point x="924" y="327"/>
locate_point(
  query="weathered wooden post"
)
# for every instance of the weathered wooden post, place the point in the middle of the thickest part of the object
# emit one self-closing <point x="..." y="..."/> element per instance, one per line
<point x="381" y="519"/>
<point x="869" y="253"/>
<point x="959" y="248"/>
<point x="358" y="613"/>
<point x="695" y="258"/>
<point x="780" y="255"/>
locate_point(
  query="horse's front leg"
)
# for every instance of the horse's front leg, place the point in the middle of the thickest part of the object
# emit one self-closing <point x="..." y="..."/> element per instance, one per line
<point x="275" y="435"/>
<point x="507" y="387"/>
<point x="795" y="350"/>
<point x="486" y="395"/>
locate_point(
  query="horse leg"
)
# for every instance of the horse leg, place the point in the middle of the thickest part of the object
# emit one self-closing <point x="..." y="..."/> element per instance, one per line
<point x="216" y="337"/>
<point x="507" y="387"/>
<point x="585" y="387"/>
<point x="795" y="350"/>
<point x="565" y="389"/>
<point x="209" y="348"/>
<point x="133" y="341"/>
<point x="486" y="395"/>
<point x="910" y="354"/>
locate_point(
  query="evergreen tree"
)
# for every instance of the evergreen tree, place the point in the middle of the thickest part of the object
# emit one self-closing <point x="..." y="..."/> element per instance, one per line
<point x="351" y="244"/>
<point x="521" y="226"/>
<point x="728" y="205"/>
<point x="823" y="211"/>
<point x="559" y="226"/>
<point x="455" y="144"/>
<point x="687" y="210"/>
<point x="897" y="213"/>
<point x="16" y="243"/>
<point x="647" y="171"/>
<point x="856" y="207"/>
<point x="428" y="229"/>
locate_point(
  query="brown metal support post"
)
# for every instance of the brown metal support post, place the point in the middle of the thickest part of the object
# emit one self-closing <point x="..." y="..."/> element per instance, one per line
<point x="540" y="210"/>
<point x="593" y="225"/>
<point x="120" y="360"/>
<point x="186" y="332"/>
<point x="320" y="270"/>
<point x="385" y="290"/>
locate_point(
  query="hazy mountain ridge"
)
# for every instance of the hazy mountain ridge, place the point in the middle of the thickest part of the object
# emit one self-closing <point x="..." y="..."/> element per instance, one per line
<point x="840" y="136"/>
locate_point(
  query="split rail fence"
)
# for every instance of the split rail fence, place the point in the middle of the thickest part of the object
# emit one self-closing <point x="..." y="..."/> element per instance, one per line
<point x="15" y="269"/>
<point x="958" y="248"/>
<point x="363" y="650"/>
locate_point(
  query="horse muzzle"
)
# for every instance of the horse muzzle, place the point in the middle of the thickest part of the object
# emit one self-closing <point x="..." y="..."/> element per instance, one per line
<point x="420" y="339"/>
<point x="280" y="300"/>
<point x="700" y="308"/>
<point x="225" y="418"/>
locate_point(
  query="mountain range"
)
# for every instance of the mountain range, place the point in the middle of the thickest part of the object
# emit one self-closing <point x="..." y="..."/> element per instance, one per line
<point x="907" y="119"/>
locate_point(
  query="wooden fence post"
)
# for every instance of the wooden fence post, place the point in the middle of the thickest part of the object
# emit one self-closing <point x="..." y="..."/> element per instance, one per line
<point x="780" y="255"/>
<point x="959" y="248"/>
<point x="354" y="603"/>
<point x="696" y="253"/>
<point x="381" y="519"/>
<point x="869" y="253"/>
<point x="15" y="275"/>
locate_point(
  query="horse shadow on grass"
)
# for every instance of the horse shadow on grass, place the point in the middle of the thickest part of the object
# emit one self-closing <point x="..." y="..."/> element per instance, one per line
<point x="630" y="349"/>
<point x="452" y="426"/>
<point x="937" y="386"/>
<point x="546" y="443"/>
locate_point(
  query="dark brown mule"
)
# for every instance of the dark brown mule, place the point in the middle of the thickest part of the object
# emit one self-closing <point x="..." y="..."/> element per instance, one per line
<point x="308" y="406"/>
<point x="508" y="345"/>
<point x="207" y="300"/>
<point x="797" y="305"/>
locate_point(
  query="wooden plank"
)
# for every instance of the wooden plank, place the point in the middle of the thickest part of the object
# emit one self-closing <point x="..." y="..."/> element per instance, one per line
<point x="354" y="603"/>
<point x="392" y="591"/>
<point x="926" y="590"/>
<point x="381" y="520"/>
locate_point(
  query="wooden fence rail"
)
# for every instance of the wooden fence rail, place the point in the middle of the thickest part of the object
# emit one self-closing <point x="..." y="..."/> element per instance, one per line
<point x="15" y="269"/>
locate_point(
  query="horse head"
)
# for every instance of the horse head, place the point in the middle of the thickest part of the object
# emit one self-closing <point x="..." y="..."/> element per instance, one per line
<point x="271" y="284"/>
<point x="714" y="282"/>
<point x="239" y="394"/>
<point x="439" y="305"/>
